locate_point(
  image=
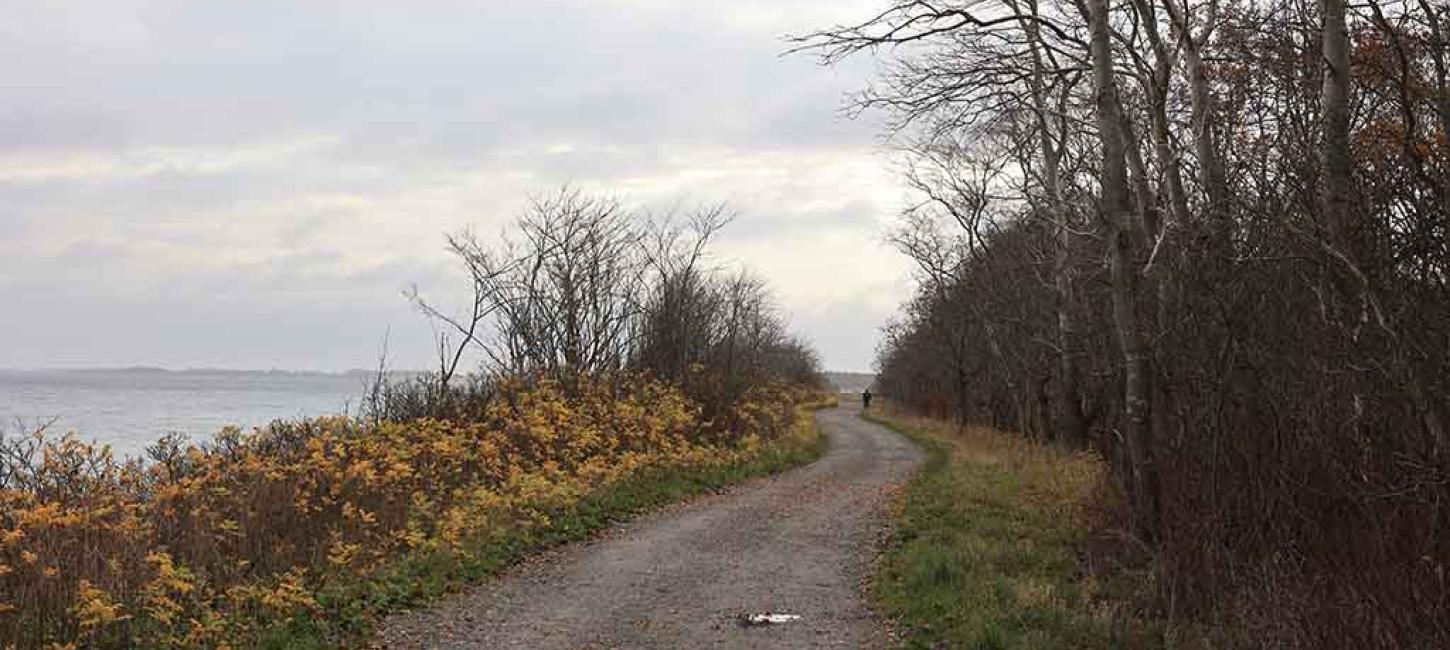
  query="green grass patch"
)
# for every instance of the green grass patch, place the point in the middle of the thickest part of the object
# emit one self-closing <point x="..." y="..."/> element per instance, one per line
<point x="988" y="546"/>
<point x="349" y="613"/>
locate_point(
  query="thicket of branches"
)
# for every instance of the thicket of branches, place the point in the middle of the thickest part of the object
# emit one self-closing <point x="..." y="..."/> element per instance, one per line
<point x="1211" y="239"/>
<point x="583" y="286"/>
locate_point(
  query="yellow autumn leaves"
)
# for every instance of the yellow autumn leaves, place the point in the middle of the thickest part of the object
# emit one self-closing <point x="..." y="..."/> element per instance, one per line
<point x="208" y="546"/>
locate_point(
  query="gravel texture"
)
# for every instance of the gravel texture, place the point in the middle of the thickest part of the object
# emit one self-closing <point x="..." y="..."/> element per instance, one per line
<point x="802" y="542"/>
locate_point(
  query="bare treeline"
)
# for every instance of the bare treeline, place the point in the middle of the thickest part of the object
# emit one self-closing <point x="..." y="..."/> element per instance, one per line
<point x="584" y="285"/>
<point x="1210" y="239"/>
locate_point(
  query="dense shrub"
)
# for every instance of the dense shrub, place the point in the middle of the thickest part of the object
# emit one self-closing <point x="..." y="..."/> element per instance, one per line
<point x="218" y="544"/>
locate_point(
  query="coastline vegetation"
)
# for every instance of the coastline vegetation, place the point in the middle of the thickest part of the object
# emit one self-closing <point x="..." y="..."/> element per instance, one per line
<point x="616" y="372"/>
<point x="308" y="530"/>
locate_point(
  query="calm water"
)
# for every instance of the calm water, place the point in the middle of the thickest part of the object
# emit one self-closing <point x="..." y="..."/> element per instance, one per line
<point x="129" y="409"/>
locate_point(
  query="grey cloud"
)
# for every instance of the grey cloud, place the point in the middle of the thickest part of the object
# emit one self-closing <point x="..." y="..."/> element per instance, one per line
<point x="61" y="127"/>
<point x="154" y="186"/>
<point x="845" y="332"/>
<point x="203" y="73"/>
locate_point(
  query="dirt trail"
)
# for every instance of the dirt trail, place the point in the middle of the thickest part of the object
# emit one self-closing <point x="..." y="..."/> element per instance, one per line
<point x="800" y="543"/>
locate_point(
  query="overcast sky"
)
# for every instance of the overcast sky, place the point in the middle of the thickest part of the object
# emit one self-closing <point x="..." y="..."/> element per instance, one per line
<point x="252" y="184"/>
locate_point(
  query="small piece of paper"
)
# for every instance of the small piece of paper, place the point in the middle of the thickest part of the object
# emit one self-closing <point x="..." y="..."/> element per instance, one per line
<point x="768" y="619"/>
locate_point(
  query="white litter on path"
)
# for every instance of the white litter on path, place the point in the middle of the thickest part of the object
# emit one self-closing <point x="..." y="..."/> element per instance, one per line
<point x="769" y="619"/>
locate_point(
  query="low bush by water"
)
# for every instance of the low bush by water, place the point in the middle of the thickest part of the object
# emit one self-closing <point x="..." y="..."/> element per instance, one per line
<point x="303" y="533"/>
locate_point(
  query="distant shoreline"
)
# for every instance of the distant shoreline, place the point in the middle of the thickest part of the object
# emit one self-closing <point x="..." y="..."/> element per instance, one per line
<point x="352" y="372"/>
<point x="830" y="374"/>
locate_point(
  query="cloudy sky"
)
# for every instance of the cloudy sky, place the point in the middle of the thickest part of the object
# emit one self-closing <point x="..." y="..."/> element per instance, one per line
<point x="252" y="184"/>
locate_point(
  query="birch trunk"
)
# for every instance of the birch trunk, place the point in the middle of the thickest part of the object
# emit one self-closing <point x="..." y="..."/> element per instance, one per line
<point x="1163" y="62"/>
<point x="1118" y="214"/>
<point x="1070" y="414"/>
<point x="1202" y="115"/>
<point x="1210" y="166"/>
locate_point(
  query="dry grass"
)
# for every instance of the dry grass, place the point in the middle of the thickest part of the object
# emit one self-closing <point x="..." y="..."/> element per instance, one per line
<point x="992" y="549"/>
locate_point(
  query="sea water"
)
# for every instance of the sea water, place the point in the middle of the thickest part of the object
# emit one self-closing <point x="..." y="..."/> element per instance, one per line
<point x="129" y="409"/>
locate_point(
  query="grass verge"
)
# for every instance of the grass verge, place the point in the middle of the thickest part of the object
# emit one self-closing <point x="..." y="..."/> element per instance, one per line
<point x="346" y="616"/>
<point x="989" y="549"/>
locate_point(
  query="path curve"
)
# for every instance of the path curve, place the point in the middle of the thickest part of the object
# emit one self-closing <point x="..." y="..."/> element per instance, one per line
<point x="801" y="542"/>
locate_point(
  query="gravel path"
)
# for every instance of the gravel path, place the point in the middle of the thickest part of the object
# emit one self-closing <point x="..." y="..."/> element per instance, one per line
<point x="800" y="543"/>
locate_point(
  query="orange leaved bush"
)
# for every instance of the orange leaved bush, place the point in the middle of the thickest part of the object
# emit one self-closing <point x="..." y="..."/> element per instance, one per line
<point x="209" y="545"/>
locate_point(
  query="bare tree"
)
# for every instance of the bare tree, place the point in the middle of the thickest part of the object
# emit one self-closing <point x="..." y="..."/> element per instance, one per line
<point x="582" y="285"/>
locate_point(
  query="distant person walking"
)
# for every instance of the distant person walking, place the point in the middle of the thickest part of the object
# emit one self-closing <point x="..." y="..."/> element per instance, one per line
<point x="866" y="399"/>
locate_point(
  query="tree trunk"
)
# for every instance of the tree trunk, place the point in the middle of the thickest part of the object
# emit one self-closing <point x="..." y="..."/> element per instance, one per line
<point x="1439" y="50"/>
<point x="1163" y="61"/>
<point x="1148" y="226"/>
<point x="1120" y="223"/>
<point x="1070" y="416"/>
<point x="1338" y="167"/>
<point x="1202" y="116"/>
<point x="1210" y="167"/>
